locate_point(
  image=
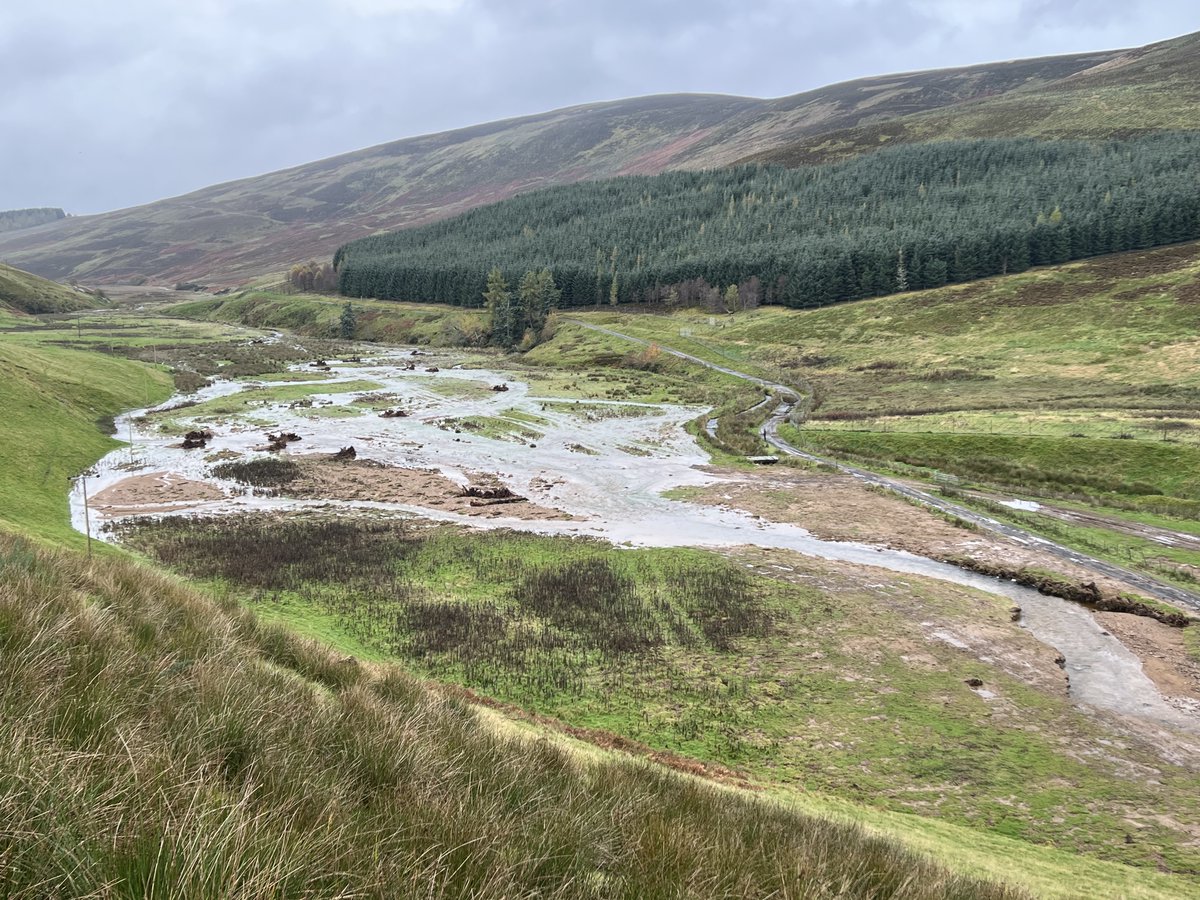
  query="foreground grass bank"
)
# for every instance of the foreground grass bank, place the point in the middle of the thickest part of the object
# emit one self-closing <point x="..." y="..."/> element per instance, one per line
<point x="154" y="745"/>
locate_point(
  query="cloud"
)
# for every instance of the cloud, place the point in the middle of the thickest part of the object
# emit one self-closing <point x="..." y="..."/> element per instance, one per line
<point x="116" y="104"/>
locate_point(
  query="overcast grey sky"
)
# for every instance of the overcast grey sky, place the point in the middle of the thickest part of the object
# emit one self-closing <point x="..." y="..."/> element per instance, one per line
<point x="105" y="105"/>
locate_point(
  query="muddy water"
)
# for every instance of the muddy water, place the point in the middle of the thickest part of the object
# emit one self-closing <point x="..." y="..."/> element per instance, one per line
<point x="608" y="472"/>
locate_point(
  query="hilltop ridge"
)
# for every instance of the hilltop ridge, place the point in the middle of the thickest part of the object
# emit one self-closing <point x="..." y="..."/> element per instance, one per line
<point x="234" y="232"/>
<point x="1122" y="94"/>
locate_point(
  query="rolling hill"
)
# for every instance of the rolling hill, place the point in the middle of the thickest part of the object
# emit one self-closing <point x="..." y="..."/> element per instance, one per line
<point x="230" y="233"/>
<point x="25" y="293"/>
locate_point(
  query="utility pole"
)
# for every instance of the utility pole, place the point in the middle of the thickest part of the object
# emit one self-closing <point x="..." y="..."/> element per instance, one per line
<point x="87" y="521"/>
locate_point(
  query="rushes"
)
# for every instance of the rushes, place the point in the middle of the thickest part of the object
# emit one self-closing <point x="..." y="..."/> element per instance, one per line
<point x="261" y="472"/>
<point x="532" y="618"/>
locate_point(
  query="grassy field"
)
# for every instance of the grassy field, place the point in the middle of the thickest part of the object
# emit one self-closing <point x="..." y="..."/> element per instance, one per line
<point x="1088" y="466"/>
<point x="57" y="406"/>
<point x="1118" y="332"/>
<point x="316" y="315"/>
<point x="808" y="680"/>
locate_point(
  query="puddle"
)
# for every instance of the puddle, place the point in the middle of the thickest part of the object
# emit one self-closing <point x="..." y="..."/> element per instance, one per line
<point x="1023" y="505"/>
<point x="613" y="491"/>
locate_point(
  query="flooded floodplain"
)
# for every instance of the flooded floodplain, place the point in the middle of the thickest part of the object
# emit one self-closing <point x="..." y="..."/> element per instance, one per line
<point x="424" y="428"/>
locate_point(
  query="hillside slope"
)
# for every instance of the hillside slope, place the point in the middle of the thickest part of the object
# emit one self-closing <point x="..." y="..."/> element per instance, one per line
<point x="27" y="293"/>
<point x="232" y="232"/>
<point x="52" y="402"/>
<point x="1151" y="88"/>
<point x="153" y="745"/>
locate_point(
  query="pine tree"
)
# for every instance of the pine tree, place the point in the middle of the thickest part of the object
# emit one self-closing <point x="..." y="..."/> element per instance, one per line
<point x="348" y="323"/>
<point x="529" y="303"/>
<point x="548" y="297"/>
<point x="500" y="307"/>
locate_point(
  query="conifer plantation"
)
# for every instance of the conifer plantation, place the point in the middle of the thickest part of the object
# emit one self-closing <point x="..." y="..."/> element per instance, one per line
<point x="907" y="218"/>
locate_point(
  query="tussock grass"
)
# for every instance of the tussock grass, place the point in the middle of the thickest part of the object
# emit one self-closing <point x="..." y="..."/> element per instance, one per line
<point x="263" y="471"/>
<point x="526" y="616"/>
<point x="153" y="744"/>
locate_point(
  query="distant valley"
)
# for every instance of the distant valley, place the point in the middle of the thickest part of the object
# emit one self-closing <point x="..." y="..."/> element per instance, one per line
<point x="683" y="496"/>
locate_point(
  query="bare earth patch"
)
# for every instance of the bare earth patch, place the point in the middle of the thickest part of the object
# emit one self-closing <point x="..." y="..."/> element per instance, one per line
<point x="930" y="622"/>
<point x="372" y="482"/>
<point x="151" y="494"/>
<point x="837" y="508"/>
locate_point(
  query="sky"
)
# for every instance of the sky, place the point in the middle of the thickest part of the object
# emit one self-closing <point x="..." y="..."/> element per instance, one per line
<point x="108" y="105"/>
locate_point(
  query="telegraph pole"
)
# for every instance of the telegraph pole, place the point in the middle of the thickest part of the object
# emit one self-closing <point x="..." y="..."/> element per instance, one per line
<point x="87" y="521"/>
